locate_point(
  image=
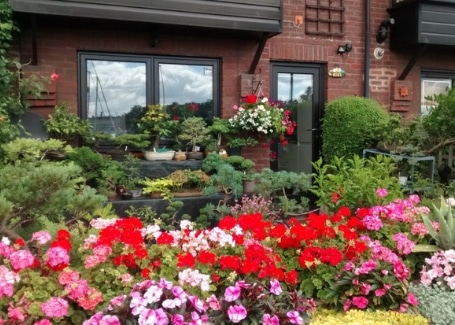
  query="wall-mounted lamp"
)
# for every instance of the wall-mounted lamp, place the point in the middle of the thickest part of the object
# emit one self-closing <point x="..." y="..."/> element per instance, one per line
<point x="383" y="30"/>
<point x="344" y="49"/>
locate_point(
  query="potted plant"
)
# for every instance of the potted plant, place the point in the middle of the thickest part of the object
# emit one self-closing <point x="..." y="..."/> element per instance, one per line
<point x="246" y="167"/>
<point x="194" y="132"/>
<point x="112" y="178"/>
<point x="158" y="187"/>
<point x="219" y="129"/>
<point x="132" y="142"/>
<point x="188" y="182"/>
<point x="235" y="144"/>
<point x="158" y="124"/>
<point x="132" y="168"/>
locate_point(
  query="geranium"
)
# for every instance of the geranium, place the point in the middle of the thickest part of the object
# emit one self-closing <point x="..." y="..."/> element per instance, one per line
<point x="259" y="115"/>
<point x="440" y="269"/>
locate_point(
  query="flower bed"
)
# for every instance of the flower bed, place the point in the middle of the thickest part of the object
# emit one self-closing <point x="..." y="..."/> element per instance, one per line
<point x="247" y="270"/>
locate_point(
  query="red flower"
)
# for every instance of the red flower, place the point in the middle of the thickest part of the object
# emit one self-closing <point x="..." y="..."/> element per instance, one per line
<point x="215" y="277"/>
<point x="206" y="257"/>
<point x="63" y="243"/>
<point x="332" y="256"/>
<point x="227" y="223"/>
<point x="335" y="197"/>
<point x="185" y="260"/>
<point x="164" y="239"/>
<point x="251" y="99"/>
<point x="229" y="262"/>
<point x="63" y="234"/>
<point x="291" y="277"/>
<point x="19" y="242"/>
<point x="145" y="273"/>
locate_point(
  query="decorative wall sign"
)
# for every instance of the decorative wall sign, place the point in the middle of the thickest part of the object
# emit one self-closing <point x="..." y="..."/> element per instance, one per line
<point x="337" y="72"/>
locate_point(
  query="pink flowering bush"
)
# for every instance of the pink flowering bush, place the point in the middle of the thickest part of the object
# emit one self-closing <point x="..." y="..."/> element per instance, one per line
<point x="439" y="269"/>
<point x="162" y="302"/>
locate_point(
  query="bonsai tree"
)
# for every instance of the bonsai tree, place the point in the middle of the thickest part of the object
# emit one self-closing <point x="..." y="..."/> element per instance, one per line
<point x="157" y="124"/>
<point x="138" y="141"/>
<point x="194" y="131"/>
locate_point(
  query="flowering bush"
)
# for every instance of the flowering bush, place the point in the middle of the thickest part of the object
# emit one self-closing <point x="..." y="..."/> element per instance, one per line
<point x="246" y="270"/>
<point x="440" y="270"/>
<point x="259" y="115"/>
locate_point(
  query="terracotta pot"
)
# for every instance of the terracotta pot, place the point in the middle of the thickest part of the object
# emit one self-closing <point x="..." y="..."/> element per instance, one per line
<point x="248" y="186"/>
<point x="195" y="155"/>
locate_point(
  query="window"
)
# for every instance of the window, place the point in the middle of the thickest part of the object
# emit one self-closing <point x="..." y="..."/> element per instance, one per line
<point x="433" y="83"/>
<point x="115" y="89"/>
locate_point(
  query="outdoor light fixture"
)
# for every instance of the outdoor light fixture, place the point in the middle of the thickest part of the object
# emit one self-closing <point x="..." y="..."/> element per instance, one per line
<point x="343" y="49"/>
<point x="383" y="31"/>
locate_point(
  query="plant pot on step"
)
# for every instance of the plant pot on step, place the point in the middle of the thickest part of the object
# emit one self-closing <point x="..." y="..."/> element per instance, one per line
<point x="195" y="155"/>
<point x="136" y="192"/>
<point x="248" y="186"/>
<point x="159" y="155"/>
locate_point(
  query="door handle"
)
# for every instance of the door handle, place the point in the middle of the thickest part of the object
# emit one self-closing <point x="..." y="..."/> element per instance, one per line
<point x="312" y="129"/>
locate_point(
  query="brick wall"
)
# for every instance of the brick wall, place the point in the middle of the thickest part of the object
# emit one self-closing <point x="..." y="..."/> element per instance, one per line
<point x="57" y="50"/>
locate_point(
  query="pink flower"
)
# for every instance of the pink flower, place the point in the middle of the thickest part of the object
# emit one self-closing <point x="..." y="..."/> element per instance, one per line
<point x="68" y="276"/>
<point x="270" y="320"/>
<point x="347" y="304"/>
<point x="21" y="259"/>
<point x="110" y="320"/>
<point x="275" y="287"/>
<point x="57" y="255"/>
<point x="232" y="293"/>
<point x="294" y="317"/>
<point x="381" y="192"/>
<point x="366" y="267"/>
<point x="411" y="299"/>
<point x="41" y="237"/>
<point x="236" y="313"/>
<point x="54" y="76"/>
<point x="213" y="302"/>
<point x="43" y="322"/>
<point x="7" y="280"/>
<point x="365" y="288"/>
<point x="177" y="320"/>
<point x="55" y="307"/>
<point x="380" y="292"/>
<point x="403" y="308"/>
<point x="360" y="302"/>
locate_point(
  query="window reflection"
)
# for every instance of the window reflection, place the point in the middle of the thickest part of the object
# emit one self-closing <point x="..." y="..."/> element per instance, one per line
<point x="186" y="90"/>
<point x="116" y="95"/>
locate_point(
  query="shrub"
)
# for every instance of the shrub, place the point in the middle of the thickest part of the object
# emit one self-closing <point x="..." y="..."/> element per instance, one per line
<point x="330" y="317"/>
<point x="351" y="124"/>
<point x="435" y="303"/>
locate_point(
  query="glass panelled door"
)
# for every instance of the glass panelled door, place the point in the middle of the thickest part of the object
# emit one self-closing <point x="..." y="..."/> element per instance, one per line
<point x="300" y="88"/>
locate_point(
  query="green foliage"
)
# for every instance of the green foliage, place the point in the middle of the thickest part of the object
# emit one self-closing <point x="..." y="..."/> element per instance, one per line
<point x="171" y="217"/>
<point x="50" y="189"/>
<point x="27" y="149"/>
<point x="145" y="213"/>
<point x="138" y="141"/>
<point x="90" y="161"/>
<point x="353" y="182"/>
<point x="157" y="123"/>
<point x="351" y="124"/>
<point x="237" y="142"/>
<point x="65" y="125"/>
<point x="435" y="303"/>
<point x="226" y="180"/>
<point x="445" y="235"/>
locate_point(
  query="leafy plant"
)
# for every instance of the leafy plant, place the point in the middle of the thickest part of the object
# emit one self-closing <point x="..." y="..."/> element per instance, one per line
<point x="137" y="141"/>
<point x="28" y="149"/>
<point x="351" y="124"/>
<point x="65" y="125"/>
<point x="161" y="185"/>
<point x="353" y="182"/>
<point x="158" y="124"/>
<point x="445" y="234"/>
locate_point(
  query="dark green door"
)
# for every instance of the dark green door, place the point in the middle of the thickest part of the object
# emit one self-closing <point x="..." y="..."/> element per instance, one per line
<point x="301" y="88"/>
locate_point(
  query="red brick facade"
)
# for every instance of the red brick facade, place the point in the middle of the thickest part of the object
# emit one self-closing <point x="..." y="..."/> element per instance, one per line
<point x="57" y="50"/>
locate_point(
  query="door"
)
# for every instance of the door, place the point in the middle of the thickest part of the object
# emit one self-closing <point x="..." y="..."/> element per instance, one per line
<point x="301" y="89"/>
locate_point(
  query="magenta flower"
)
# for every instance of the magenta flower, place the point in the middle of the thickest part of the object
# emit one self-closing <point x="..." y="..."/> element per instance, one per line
<point x="57" y="255"/>
<point x="275" y="287"/>
<point x="270" y="320"/>
<point x="236" y="313"/>
<point x="55" y="307"/>
<point x="7" y="280"/>
<point x="294" y="317"/>
<point x="360" y="302"/>
<point x="232" y="293"/>
<point x="382" y="192"/>
<point x="177" y="320"/>
<point x="411" y="299"/>
<point x="43" y="322"/>
<point x="110" y="320"/>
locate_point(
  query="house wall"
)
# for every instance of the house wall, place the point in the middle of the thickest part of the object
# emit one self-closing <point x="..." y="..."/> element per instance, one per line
<point x="57" y="52"/>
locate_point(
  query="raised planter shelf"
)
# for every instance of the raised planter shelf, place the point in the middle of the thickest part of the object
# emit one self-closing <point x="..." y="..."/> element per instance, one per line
<point x="157" y="169"/>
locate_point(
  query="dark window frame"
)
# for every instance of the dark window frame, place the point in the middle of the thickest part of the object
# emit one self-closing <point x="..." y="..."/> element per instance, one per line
<point x="152" y="75"/>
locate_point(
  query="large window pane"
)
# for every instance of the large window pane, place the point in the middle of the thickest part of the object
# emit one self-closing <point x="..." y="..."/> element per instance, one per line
<point x="116" y="93"/>
<point x="187" y="90"/>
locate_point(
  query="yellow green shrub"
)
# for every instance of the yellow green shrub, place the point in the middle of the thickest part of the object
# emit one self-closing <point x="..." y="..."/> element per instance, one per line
<point x="358" y="317"/>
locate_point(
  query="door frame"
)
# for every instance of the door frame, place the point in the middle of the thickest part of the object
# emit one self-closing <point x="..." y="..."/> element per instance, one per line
<point x="318" y="70"/>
